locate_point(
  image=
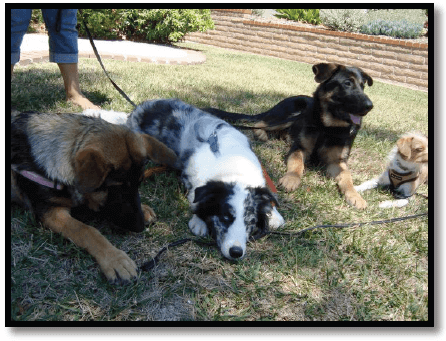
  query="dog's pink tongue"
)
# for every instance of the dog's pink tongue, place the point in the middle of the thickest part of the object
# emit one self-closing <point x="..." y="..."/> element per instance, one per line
<point x="355" y="119"/>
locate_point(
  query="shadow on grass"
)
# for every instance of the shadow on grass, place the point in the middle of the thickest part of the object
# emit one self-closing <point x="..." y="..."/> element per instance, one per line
<point x="42" y="90"/>
<point x="381" y="134"/>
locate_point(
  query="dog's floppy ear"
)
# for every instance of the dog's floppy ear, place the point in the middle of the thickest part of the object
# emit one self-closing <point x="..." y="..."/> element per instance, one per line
<point x="142" y="146"/>
<point x="91" y="169"/>
<point x="264" y="195"/>
<point x="158" y="151"/>
<point x="324" y="71"/>
<point x="404" y="145"/>
<point x="209" y="192"/>
<point x="367" y="78"/>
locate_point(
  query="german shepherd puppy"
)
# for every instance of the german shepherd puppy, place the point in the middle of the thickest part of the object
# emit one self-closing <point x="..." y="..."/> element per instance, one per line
<point x="64" y="161"/>
<point x="322" y="128"/>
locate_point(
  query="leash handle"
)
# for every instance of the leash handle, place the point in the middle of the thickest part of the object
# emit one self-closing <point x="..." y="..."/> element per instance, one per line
<point x="123" y="94"/>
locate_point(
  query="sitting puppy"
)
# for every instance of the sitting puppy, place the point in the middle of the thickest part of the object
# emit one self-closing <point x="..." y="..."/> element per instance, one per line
<point x="224" y="178"/>
<point x="407" y="169"/>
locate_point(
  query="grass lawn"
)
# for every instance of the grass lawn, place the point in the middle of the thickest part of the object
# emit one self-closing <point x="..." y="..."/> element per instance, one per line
<point x="377" y="272"/>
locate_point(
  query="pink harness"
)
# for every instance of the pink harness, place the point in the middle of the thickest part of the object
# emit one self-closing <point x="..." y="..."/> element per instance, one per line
<point x="37" y="178"/>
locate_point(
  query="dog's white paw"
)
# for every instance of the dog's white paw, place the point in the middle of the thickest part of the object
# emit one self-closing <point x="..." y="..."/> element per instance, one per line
<point x="367" y="185"/>
<point x="198" y="227"/>
<point x="275" y="219"/>
<point x="393" y="203"/>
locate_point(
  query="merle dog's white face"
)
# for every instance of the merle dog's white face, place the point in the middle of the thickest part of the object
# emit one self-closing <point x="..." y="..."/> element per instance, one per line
<point x="233" y="213"/>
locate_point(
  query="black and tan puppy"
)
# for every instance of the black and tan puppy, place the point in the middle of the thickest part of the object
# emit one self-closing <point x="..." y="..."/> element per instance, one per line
<point x="65" y="161"/>
<point x="322" y="128"/>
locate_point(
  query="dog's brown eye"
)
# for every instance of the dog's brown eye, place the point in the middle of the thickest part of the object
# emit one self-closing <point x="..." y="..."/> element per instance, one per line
<point x="348" y="83"/>
<point x="420" y="149"/>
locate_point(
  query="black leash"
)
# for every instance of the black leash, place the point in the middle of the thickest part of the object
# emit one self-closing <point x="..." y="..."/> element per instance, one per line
<point x="147" y="266"/>
<point x="339" y="226"/>
<point x="100" y="61"/>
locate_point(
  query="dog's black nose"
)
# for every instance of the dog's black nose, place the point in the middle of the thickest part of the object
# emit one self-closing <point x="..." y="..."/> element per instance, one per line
<point x="236" y="252"/>
<point x="368" y="105"/>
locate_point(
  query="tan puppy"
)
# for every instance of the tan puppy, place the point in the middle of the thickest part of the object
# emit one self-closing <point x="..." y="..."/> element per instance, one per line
<point x="406" y="171"/>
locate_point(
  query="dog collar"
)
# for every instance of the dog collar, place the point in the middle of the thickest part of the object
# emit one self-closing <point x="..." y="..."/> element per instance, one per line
<point x="397" y="179"/>
<point x="37" y="178"/>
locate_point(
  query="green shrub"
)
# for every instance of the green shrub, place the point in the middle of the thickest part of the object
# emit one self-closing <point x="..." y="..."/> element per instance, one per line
<point x="397" y="29"/>
<point x="102" y="23"/>
<point x="349" y="20"/>
<point x="398" y="23"/>
<point x="155" y="25"/>
<point x="417" y="16"/>
<point x="258" y="12"/>
<point x="36" y="18"/>
<point x="310" y="16"/>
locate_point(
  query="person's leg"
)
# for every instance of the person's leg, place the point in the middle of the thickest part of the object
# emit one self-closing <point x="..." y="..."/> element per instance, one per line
<point x="70" y="77"/>
<point x="19" y="24"/>
<point x="61" y="25"/>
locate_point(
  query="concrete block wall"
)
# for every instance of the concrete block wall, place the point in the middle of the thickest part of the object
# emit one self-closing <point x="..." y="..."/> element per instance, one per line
<point x="401" y="62"/>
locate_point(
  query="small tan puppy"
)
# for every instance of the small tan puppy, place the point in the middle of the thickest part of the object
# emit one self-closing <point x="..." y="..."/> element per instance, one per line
<point x="407" y="169"/>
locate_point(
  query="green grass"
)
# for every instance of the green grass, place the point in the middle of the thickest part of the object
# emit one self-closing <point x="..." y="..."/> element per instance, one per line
<point x="377" y="272"/>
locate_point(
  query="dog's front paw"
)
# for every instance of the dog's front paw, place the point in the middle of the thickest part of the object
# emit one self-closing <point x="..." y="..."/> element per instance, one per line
<point x="198" y="226"/>
<point x="356" y="200"/>
<point x="149" y="214"/>
<point x="117" y="266"/>
<point x="366" y="185"/>
<point x="290" y="181"/>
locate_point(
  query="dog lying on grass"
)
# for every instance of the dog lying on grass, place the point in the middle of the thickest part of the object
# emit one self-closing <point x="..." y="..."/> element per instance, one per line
<point x="406" y="171"/>
<point x="224" y="178"/>
<point x="322" y="128"/>
<point x="65" y="162"/>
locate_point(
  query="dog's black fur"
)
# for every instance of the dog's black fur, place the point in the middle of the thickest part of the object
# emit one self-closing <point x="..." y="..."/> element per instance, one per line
<point x="322" y="128"/>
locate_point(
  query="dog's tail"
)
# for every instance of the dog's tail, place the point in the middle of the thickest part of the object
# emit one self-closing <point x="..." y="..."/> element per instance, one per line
<point x="281" y="114"/>
<point x="231" y="116"/>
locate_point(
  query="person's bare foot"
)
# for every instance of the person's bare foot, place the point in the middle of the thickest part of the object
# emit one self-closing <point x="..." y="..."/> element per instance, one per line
<point x="83" y="102"/>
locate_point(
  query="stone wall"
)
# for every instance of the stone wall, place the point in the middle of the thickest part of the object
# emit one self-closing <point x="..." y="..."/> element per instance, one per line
<point x="401" y="62"/>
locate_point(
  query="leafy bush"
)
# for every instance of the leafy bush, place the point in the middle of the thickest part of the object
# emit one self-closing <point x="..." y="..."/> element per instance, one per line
<point x="397" y="29"/>
<point x="156" y="25"/>
<point x="349" y="20"/>
<point x="36" y="18"/>
<point x="310" y="16"/>
<point x="102" y="23"/>
<point x="258" y="12"/>
<point x="398" y="23"/>
<point x="417" y="16"/>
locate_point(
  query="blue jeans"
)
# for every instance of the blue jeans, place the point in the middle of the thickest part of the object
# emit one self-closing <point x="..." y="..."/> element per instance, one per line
<point x="62" y="40"/>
